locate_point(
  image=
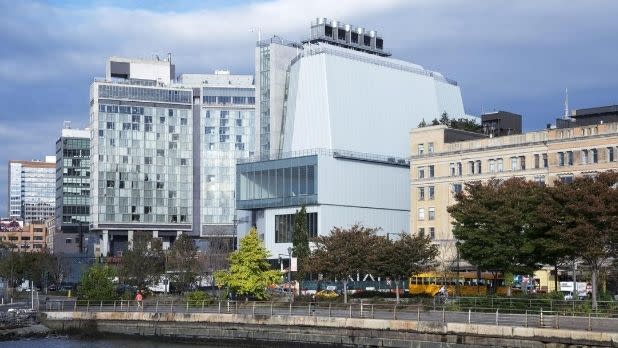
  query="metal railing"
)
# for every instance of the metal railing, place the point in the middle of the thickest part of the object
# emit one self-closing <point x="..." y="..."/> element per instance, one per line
<point x="540" y="318"/>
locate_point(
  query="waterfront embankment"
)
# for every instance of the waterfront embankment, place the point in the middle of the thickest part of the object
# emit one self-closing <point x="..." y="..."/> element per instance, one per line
<point x="277" y="330"/>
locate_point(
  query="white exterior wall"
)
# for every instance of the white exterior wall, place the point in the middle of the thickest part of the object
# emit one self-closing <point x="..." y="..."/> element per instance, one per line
<point x="362" y="184"/>
<point x="361" y="103"/>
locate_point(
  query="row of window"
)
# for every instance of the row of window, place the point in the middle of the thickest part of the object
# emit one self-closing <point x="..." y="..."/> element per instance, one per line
<point x="224" y="100"/>
<point x="431" y="232"/>
<point x="421" y="148"/>
<point x="431" y="214"/>
<point x="429" y="190"/>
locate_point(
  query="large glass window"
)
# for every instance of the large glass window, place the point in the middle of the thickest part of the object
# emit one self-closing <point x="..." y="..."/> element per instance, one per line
<point x="284" y="227"/>
<point x="278" y="183"/>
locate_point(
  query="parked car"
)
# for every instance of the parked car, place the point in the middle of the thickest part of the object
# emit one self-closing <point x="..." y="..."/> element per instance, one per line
<point x="568" y="295"/>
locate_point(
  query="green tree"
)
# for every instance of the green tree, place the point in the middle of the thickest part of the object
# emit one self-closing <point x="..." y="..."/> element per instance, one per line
<point x="422" y="124"/>
<point x="249" y="273"/>
<point x="496" y="226"/>
<point x="144" y="263"/>
<point x="345" y="252"/>
<point x="466" y="124"/>
<point x="584" y="214"/>
<point x="183" y="264"/>
<point x="96" y="284"/>
<point x="400" y="259"/>
<point x="445" y="120"/>
<point x="435" y="122"/>
<point x="300" y="242"/>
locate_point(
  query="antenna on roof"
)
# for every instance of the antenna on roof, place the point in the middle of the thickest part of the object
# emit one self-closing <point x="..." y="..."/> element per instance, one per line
<point x="566" y="104"/>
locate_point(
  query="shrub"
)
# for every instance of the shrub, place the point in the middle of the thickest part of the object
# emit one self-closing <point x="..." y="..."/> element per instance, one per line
<point x="197" y="298"/>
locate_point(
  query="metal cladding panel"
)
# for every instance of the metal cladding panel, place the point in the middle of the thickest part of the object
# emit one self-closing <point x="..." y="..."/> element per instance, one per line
<point x="363" y="106"/>
<point x="307" y="124"/>
<point x="363" y="184"/>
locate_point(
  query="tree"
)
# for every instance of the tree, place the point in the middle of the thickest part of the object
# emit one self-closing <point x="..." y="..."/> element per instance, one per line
<point x="444" y="119"/>
<point x="435" y="122"/>
<point x="144" y="263"/>
<point x="466" y="124"/>
<point x="300" y="242"/>
<point x="183" y="263"/>
<point x="249" y="273"/>
<point x="96" y="284"/>
<point x="402" y="258"/>
<point x="495" y="224"/>
<point x="345" y="252"/>
<point x="584" y="214"/>
<point x="13" y="268"/>
<point x="422" y="124"/>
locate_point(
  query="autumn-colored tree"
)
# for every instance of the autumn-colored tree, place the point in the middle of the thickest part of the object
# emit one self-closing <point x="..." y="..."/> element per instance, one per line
<point x="495" y="223"/>
<point x="345" y="252"/>
<point x="584" y="215"/>
<point x="249" y="273"/>
<point x="300" y="242"/>
<point x="401" y="258"/>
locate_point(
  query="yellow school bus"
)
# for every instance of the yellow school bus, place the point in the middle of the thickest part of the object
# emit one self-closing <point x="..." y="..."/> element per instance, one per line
<point x="469" y="285"/>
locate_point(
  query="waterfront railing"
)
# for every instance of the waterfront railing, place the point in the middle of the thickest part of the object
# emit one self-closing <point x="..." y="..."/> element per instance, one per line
<point x="450" y="312"/>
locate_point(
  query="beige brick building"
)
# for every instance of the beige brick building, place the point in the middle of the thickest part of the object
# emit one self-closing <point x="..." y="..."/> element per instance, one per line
<point x="443" y="159"/>
<point x="30" y="238"/>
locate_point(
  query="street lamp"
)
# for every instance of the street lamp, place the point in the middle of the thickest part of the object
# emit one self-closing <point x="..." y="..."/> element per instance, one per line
<point x="290" y="275"/>
<point x="457" y="292"/>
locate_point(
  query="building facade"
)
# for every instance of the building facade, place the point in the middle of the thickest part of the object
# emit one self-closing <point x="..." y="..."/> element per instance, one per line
<point x="72" y="231"/>
<point x="31" y="189"/>
<point x="142" y="154"/>
<point x="272" y="63"/>
<point x="164" y="152"/>
<point x="29" y="238"/>
<point x="340" y="155"/>
<point x="445" y="159"/>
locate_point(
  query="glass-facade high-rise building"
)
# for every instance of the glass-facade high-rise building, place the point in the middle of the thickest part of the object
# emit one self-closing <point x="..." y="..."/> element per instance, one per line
<point x="226" y="116"/>
<point x="31" y="189"/>
<point x="142" y="153"/>
<point x="73" y="191"/>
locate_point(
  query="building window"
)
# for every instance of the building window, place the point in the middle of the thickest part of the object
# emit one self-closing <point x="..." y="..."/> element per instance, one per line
<point x="566" y="179"/>
<point x="570" y="157"/>
<point x="452" y="168"/>
<point x="421" y="149"/>
<point x="421" y="193"/>
<point x="539" y="180"/>
<point x="284" y="227"/>
<point x="560" y="159"/>
<point x="432" y="192"/>
<point x="479" y="170"/>
<point x="545" y="161"/>
<point x="610" y="154"/>
<point x="537" y="161"/>
<point x="421" y="213"/>
<point x="522" y="162"/>
<point x="431" y="171"/>
<point x="471" y="167"/>
<point x="594" y="156"/>
<point x="499" y="165"/>
<point x="584" y="156"/>
<point x="421" y="172"/>
<point x="421" y="232"/>
<point x="430" y="147"/>
<point x="432" y="232"/>
<point x="514" y="163"/>
<point x="457" y="188"/>
<point x="432" y="213"/>
<point x="492" y="166"/>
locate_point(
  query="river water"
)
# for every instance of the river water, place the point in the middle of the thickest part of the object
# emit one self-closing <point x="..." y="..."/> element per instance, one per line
<point x="107" y="342"/>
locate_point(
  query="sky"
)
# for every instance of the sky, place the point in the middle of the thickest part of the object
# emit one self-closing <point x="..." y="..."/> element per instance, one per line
<point x="518" y="56"/>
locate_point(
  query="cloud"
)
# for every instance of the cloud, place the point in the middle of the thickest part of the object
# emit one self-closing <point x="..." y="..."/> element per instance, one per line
<point x="514" y="55"/>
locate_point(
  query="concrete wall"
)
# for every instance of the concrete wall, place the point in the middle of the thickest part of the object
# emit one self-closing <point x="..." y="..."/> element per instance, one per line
<point x="319" y="330"/>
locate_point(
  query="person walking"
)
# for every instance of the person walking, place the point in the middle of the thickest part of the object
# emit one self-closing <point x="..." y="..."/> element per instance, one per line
<point x="139" y="298"/>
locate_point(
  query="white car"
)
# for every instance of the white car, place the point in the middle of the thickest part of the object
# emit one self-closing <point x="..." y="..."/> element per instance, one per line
<point x="568" y="296"/>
